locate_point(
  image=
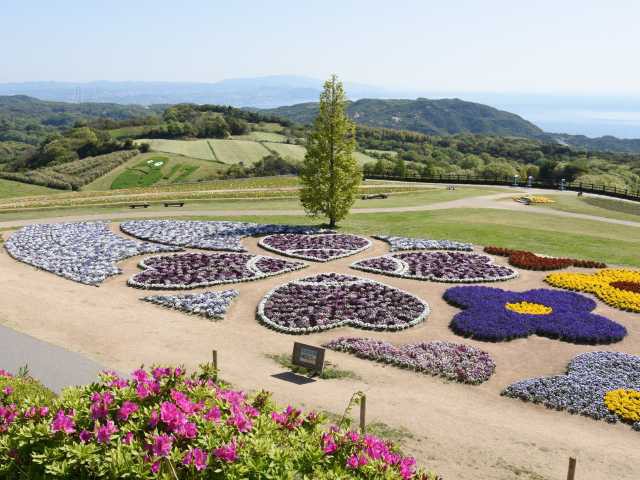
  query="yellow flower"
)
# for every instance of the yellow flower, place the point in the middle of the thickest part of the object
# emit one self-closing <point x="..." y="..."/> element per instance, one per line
<point x="616" y="287"/>
<point x="625" y="403"/>
<point x="529" y="308"/>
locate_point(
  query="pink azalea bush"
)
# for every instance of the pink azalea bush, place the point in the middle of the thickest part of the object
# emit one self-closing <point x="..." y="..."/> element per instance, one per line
<point x="162" y="423"/>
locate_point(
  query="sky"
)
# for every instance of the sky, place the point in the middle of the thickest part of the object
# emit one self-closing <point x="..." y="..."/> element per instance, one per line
<point x="548" y="47"/>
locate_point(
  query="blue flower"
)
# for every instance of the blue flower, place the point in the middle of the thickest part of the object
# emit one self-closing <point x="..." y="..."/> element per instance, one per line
<point x="492" y="314"/>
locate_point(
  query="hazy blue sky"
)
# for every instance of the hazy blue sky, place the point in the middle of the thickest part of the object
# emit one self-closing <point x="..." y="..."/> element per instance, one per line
<point x="561" y="46"/>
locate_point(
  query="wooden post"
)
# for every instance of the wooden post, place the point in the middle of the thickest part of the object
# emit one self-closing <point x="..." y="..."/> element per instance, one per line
<point x="214" y="358"/>
<point x="571" y="474"/>
<point x="363" y="413"/>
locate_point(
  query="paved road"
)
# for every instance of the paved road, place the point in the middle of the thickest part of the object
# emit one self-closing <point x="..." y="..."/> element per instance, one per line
<point x="493" y="201"/>
<point x="55" y="367"/>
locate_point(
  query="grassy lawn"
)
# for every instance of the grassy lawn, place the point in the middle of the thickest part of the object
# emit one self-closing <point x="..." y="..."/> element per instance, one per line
<point x="601" y="207"/>
<point x="189" y="148"/>
<point x="238" y="151"/>
<point x="261" y="137"/>
<point x="10" y="189"/>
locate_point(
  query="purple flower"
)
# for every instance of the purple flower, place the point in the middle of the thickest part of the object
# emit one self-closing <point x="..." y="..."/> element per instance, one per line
<point x="196" y="457"/>
<point x="85" y="436"/>
<point x="356" y="461"/>
<point x="63" y="423"/>
<point x="228" y="452"/>
<point x="321" y="247"/>
<point x="126" y="410"/>
<point x="489" y="314"/>
<point x="161" y="445"/>
<point x="104" y="432"/>
<point x="127" y="438"/>
<point x="7" y="391"/>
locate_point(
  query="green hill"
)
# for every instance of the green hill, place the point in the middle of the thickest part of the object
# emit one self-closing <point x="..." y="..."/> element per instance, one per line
<point x="433" y="117"/>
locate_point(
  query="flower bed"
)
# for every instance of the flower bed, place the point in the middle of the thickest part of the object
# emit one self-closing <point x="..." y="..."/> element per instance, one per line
<point x="408" y="243"/>
<point x="533" y="199"/>
<point x="493" y="314"/>
<point x="162" y="424"/>
<point x="438" y="266"/>
<point x="319" y="248"/>
<point x="590" y="378"/>
<point x="84" y="252"/>
<point x="618" y="288"/>
<point x="195" y="270"/>
<point x="213" y="305"/>
<point x="453" y="361"/>
<point x="205" y="235"/>
<point x="331" y="300"/>
<point x="531" y="261"/>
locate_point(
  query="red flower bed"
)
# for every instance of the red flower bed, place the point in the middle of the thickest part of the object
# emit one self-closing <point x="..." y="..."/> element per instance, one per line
<point x="531" y="261"/>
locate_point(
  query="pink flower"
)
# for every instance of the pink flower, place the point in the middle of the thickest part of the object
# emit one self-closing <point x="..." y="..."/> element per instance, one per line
<point x="142" y="390"/>
<point x="289" y="418"/>
<point x="7" y="391"/>
<point x="63" y="423"/>
<point x="43" y="411"/>
<point x="103" y="434"/>
<point x="30" y="412"/>
<point x="187" y="430"/>
<point x="356" y="461"/>
<point x="242" y="423"/>
<point x="213" y="415"/>
<point x="407" y="467"/>
<point x="85" y="436"/>
<point x="127" y="409"/>
<point x="4" y="373"/>
<point x="154" y="419"/>
<point x="329" y="445"/>
<point x="140" y="375"/>
<point x="228" y="452"/>
<point x="128" y="438"/>
<point x="161" y="445"/>
<point x="196" y="457"/>
<point x="155" y="467"/>
<point x="159" y="373"/>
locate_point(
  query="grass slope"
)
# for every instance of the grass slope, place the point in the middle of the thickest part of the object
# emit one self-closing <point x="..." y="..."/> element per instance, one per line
<point x="9" y="189"/>
<point x="189" y="148"/>
<point x="238" y="151"/>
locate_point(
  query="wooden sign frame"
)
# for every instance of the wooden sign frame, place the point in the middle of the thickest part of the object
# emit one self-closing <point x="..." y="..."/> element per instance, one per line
<point x="308" y="356"/>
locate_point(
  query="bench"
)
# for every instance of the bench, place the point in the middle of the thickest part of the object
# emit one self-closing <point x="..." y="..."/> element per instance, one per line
<point x="139" y="205"/>
<point x="173" y="204"/>
<point x="374" y="195"/>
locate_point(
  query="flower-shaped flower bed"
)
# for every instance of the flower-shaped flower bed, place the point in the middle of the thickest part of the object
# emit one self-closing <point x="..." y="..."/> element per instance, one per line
<point x="531" y="261"/>
<point x="195" y="270"/>
<point x="407" y="243"/>
<point x="453" y="267"/>
<point x="585" y="388"/>
<point x="205" y="235"/>
<point x="453" y="361"/>
<point x="618" y="288"/>
<point x="331" y="300"/>
<point x="319" y="248"/>
<point x="493" y="314"/>
<point x="212" y="305"/>
<point x="83" y="252"/>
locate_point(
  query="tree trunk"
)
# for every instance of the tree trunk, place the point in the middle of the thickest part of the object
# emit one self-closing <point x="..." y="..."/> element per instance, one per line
<point x="332" y="222"/>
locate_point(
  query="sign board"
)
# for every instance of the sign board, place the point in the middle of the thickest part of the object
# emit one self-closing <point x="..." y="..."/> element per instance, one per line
<point x="308" y="356"/>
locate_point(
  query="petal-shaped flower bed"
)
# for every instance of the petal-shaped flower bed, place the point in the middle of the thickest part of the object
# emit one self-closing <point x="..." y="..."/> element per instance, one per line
<point x="531" y="261"/>
<point x="212" y="305"/>
<point x="195" y="270"/>
<point x="407" y="243"/>
<point x="583" y="389"/>
<point x="205" y="235"/>
<point x="319" y="248"/>
<point x="453" y="361"/>
<point x="453" y="267"/>
<point x="618" y="288"/>
<point x="493" y="314"/>
<point x="331" y="300"/>
<point x="84" y="252"/>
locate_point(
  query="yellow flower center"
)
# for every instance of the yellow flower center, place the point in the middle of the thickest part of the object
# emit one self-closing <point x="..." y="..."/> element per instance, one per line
<point x="529" y="308"/>
<point x="625" y="403"/>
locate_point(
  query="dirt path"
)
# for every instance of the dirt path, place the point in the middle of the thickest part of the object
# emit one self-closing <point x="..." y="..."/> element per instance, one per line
<point x="493" y="201"/>
<point x="463" y="432"/>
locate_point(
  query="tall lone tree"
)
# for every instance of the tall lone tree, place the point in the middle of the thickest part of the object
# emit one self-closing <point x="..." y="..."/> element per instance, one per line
<point x="330" y="174"/>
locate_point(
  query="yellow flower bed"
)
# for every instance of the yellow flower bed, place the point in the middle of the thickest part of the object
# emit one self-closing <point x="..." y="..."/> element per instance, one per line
<point x="599" y="284"/>
<point x="625" y="403"/>
<point x="529" y="308"/>
<point x="534" y="199"/>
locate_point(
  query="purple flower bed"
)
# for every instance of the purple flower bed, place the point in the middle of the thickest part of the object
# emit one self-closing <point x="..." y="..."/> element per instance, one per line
<point x="327" y="301"/>
<point x="409" y="243"/>
<point x="452" y="267"/>
<point x="205" y="235"/>
<point x="486" y="316"/>
<point x="453" y="361"/>
<point x="212" y="305"/>
<point x="320" y="248"/>
<point x="194" y="270"/>
<point x="582" y="389"/>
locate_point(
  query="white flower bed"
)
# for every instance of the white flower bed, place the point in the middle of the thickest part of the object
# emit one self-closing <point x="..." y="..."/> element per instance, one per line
<point x="205" y="235"/>
<point x="212" y="305"/>
<point x="84" y="252"/>
<point x="318" y="248"/>
<point x="196" y="270"/>
<point x="408" y="243"/>
<point x="331" y="300"/>
<point x="451" y="267"/>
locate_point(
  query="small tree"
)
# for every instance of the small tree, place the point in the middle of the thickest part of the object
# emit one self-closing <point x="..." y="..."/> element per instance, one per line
<point x="330" y="174"/>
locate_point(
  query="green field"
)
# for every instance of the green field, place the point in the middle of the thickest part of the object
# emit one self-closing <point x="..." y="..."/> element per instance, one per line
<point x="262" y="137"/>
<point x="238" y="151"/>
<point x="287" y="150"/>
<point x="189" y="148"/>
<point x="389" y="153"/>
<point x="10" y="189"/>
<point x="598" y="206"/>
<point x="175" y="169"/>
<point x="124" y="132"/>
